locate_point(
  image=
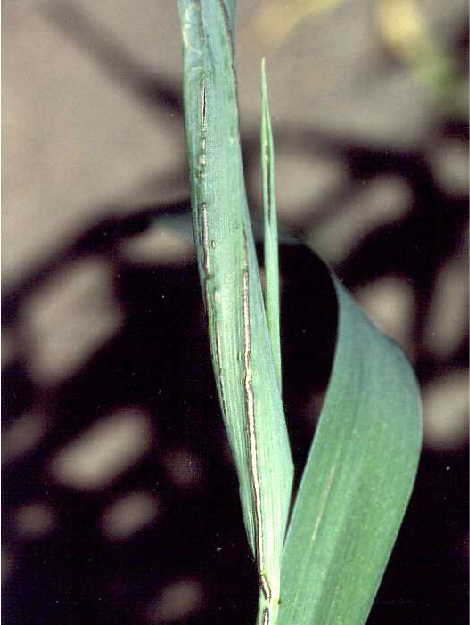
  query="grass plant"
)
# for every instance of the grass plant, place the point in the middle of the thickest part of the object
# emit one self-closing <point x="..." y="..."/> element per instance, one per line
<point x="323" y="563"/>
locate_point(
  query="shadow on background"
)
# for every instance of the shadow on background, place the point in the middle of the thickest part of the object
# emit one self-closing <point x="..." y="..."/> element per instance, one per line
<point x="120" y="500"/>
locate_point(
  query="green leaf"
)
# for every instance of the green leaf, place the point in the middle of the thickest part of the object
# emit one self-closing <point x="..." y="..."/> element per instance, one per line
<point x="361" y="468"/>
<point x="357" y="481"/>
<point x="271" y="254"/>
<point x="240" y="344"/>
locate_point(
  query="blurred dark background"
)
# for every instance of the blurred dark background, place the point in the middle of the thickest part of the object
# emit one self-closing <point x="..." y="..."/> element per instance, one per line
<point x="120" y="500"/>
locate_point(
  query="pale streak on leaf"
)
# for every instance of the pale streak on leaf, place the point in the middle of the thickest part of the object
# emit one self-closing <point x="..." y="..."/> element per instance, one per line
<point x="322" y="504"/>
<point x="253" y="444"/>
<point x="205" y="239"/>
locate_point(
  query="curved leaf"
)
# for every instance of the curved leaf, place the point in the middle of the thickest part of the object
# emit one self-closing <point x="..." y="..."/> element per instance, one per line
<point x="357" y="481"/>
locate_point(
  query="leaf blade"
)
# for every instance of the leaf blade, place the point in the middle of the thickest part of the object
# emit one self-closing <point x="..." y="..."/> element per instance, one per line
<point x="271" y="253"/>
<point x="357" y="481"/>
<point x="240" y="345"/>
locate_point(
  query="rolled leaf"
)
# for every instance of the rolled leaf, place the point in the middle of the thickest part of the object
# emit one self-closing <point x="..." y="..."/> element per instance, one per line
<point x="240" y="344"/>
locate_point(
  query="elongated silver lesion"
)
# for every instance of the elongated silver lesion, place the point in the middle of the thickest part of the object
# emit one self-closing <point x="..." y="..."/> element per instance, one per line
<point x="202" y="155"/>
<point x="206" y="260"/>
<point x="203" y="104"/>
<point x="252" y="435"/>
<point x="219" y="362"/>
<point x="266" y="616"/>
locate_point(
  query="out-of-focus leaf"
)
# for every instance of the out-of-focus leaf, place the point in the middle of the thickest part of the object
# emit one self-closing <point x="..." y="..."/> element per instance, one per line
<point x="407" y="34"/>
<point x="357" y="481"/>
<point x="275" y="20"/>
